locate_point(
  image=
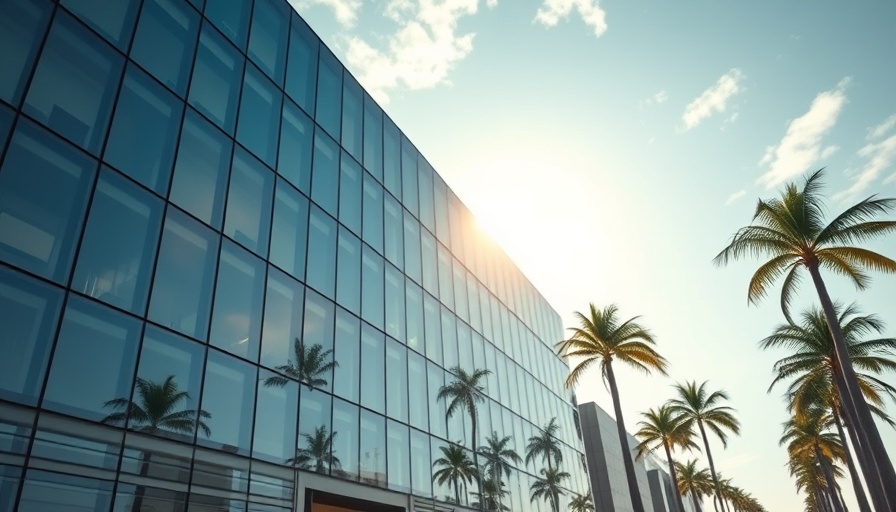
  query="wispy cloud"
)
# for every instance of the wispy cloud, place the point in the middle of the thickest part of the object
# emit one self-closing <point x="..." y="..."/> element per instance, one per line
<point x="656" y="99"/>
<point x="737" y="460"/>
<point x="421" y="53"/>
<point x="802" y="147"/>
<point x="346" y="11"/>
<point x="552" y="11"/>
<point x="714" y="99"/>
<point x="735" y="196"/>
<point x="878" y="154"/>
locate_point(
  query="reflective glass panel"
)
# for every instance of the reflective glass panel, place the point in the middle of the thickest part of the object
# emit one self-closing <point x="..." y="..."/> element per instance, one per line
<point x="440" y="203"/>
<point x="90" y="70"/>
<point x="185" y="273"/>
<point x="372" y="287"/>
<point x="114" y="21"/>
<point x="315" y="442"/>
<point x="432" y="328"/>
<point x="119" y="245"/>
<point x="259" y="123"/>
<point x="325" y="179"/>
<point x="427" y="213"/>
<point x="394" y="303"/>
<point x="449" y="338"/>
<point x="289" y="230"/>
<point x="29" y="312"/>
<point x="22" y="28"/>
<point x="229" y="397"/>
<point x="248" y="217"/>
<point x="446" y="280"/>
<point x="215" y="87"/>
<point x="429" y="262"/>
<point x="317" y="334"/>
<point x="421" y="469"/>
<point x="347" y="373"/>
<point x="321" y="271"/>
<point x="236" y="318"/>
<point x="459" y="275"/>
<point x="348" y="272"/>
<point x="165" y="41"/>
<point x="220" y="474"/>
<point x="412" y="266"/>
<point x="296" y="139"/>
<point x="350" y="194"/>
<point x="351" y="117"/>
<point x="97" y="348"/>
<point x="397" y="383"/>
<point x="329" y="93"/>
<point x="200" y="174"/>
<point x="144" y="131"/>
<point x="393" y="231"/>
<point x="283" y="310"/>
<point x="130" y="497"/>
<point x="465" y="346"/>
<point x="409" y="175"/>
<point x="373" y="138"/>
<point x="345" y="440"/>
<point x="76" y="444"/>
<point x="267" y="39"/>
<point x="414" y="316"/>
<point x="399" y="457"/>
<point x="418" y="404"/>
<point x="301" y="68"/>
<point x="10" y="476"/>
<point x="391" y="157"/>
<point x="373" y="213"/>
<point x="373" y="448"/>
<point x="435" y="378"/>
<point x="373" y="389"/>
<point x="44" y="491"/>
<point x="231" y="18"/>
<point x="277" y="410"/>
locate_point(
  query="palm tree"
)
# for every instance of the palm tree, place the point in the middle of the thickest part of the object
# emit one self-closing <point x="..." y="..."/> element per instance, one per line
<point x="464" y="393"/>
<point x="814" y="369"/>
<point x="700" y="407"/>
<point x="548" y="487"/>
<point x="492" y="496"/>
<point x="545" y="445"/>
<point x="498" y="457"/>
<point x="807" y="439"/>
<point x="791" y="231"/>
<point x="310" y="367"/>
<point x="694" y="482"/>
<point x="318" y="452"/>
<point x="663" y="427"/>
<point x="741" y="500"/>
<point x="456" y="468"/>
<point x="599" y="339"/>
<point x="581" y="503"/>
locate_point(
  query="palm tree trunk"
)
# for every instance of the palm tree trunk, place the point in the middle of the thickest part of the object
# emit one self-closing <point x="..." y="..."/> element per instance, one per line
<point x="637" y="504"/>
<point x="712" y="467"/>
<point x="853" y="473"/>
<point x="697" y="507"/>
<point x="678" y="501"/>
<point x="857" y="412"/>
<point x="829" y="479"/>
<point x="476" y="464"/>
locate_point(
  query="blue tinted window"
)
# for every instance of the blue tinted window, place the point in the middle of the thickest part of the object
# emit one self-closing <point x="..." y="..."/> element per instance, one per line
<point x="97" y="349"/>
<point x="372" y="208"/>
<point x="119" y="245"/>
<point x="372" y="287"/>
<point x="289" y="230"/>
<point x="114" y="20"/>
<point x="432" y="327"/>
<point x="446" y="279"/>
<point x="373" y="138"/>
<point x="394" y="303"/>
<point x="346" y="376"/>
<point x="412" y="264"/>
<point x="231" y="18"/>
<point x="6" y="116"/>
<point x="473" y="301"/>
<point x="465" y="346"/>
<point x="397" y="383"/>
<point x="435" y="379"/>
<point x="345" y="440"/>
<point x="22" y="26"/>
<point x="248" y="216"/>
<point x="236" y="318"/>
<point x="415" y="337"/>
<point x="165" y="41"/>
<point x="185" y="273"/>
<point x="393" y="222"/>
<point x="351" y="117"/>
<point x="217" y="79"/>
<point x="391" y="157"/>
<point x="283" y="311"/>
<point x="200" y="174"/>
<point x="418" y="402"/>
<point x="430" y="262"/>
<point x="409" y="175"/>
<point x="399" y="457"/>
<point x="460" y="290"/>
<point x="296" y="139"/>
<point x="53" y="491"/>
<point x="325" y="180"/>
<point x="318" y="330"/>
<point x="150" y="498"/>
<point x="229" y="397"/>
<point x="89" y="69"/>
<point x="421" y="469"/>
<point x="44" y="187"/>
<point x="321" y="271"/>
<point x="259" y="123"/>
<point x="348" y="272"/>
<point x="440" y="204"/>
<point x="314" y="432"/>
<point x="427" y="213"/>
<point x="267" y="39"/>
<point x="144" y="131"/>
<point x="10" y="476"/>
<point x="301" y="69"/>
<point x="449" y="338"/>
<point x="277" y="408"/>
<point x="350" y="194"/>
<point x="29" y="311"/>
<point x="373" y="371"/>
<point x="329" y="94"/>
<point x="373" y="449"/>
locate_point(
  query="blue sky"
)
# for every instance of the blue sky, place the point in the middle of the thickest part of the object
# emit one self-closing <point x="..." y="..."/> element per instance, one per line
<point x="612" y="148"/>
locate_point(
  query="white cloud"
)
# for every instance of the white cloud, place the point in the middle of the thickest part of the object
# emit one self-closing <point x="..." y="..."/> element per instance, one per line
<point x="552" y="11"/>
<point x="714" y="99"/>
<point x="656" y="99"/>
<point x="735" y="196"/>
<point x="802" y="148"/>
<point x="878" y="154"/>
<point x="346" y="11"/>
<point x="421" y="53"/>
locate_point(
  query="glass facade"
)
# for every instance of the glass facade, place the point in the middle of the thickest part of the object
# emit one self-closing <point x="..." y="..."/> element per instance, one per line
<point x="196" y="199"/>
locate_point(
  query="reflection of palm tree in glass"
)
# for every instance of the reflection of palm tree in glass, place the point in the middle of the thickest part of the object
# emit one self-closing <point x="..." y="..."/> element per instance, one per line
<point x="498" y="458"/>
<point x="456" y="468"/>
<point x="493" y="493"/>
<point x="318" y="453"/>
<point x="548" y="487"/>
<point x="545" y="445"/>
<point x="310" y="366"/>
<point x="158" y="409"/>
<point x="582" y="503"/>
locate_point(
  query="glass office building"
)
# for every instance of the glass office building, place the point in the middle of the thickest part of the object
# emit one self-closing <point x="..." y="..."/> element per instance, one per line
<point x="200" y="211"/>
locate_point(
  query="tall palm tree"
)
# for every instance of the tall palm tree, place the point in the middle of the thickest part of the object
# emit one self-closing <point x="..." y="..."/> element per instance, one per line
<point x="814" y="370"/>
<point x="694" y="482"/>
<point x="807" y="438"/>
<point x="703" y="409"/>
<point x="318" y="453"/>
<point x="545" y="445"/>
<point x="464" y="393"/>
<point x="548" y="487"/>
<point x="665" y="428"/>
<point x="741" y="500"/>
<point x="455" y="468"/>
<point x="311" y="366"/>
<point x="790" y="230"/>
<point x="581" y="503"/>
<point x="498" y="458"/>
<point x="599" y="338"/>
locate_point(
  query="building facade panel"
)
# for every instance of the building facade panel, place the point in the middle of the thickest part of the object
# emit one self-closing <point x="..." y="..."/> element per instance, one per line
<point x="196" y="198"/>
